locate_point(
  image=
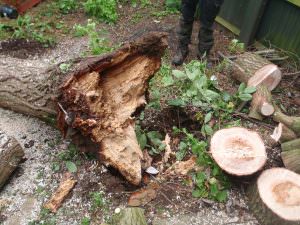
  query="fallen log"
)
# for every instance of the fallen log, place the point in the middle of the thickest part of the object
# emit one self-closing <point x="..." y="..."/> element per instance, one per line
<point x="290" y="145"/>
<point x="98" y="97"/>
<point x="238" y="151"/>
<point x="261" y="104"/>
<point x="283" y="134"/>
<point x="291" y="160"/>
<point x="11" y="154"/>
<point x="275" y="197"/>
<point x="292" y="122"/>
<point x="254" y="70"/>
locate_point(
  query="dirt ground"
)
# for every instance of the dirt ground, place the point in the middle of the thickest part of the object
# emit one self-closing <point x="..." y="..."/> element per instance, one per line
<point x="21" y="200"/>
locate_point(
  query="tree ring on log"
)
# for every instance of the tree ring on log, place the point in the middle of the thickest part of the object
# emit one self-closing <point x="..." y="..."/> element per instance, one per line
<point x="269" y="75"/>
<point x="279" y="189"/>
<point x="238" y="151"/>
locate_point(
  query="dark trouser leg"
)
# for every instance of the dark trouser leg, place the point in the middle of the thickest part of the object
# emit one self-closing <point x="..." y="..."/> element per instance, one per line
<point x="209" y="11"/>
<point x="188" y="8"/>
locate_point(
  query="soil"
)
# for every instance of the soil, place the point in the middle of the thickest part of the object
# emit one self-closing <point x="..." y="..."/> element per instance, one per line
<point x="33" y="183"/>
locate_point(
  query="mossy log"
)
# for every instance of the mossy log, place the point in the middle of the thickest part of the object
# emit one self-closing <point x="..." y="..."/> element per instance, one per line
<point x="98" y="97"/>
<point x="11" y="154"/>
<point x="254" y="70"/>
<point x="274" y="198"/>
<point x="291" y="160"/>
<point x="261" y="104"/>
<point x="290" y="145"/>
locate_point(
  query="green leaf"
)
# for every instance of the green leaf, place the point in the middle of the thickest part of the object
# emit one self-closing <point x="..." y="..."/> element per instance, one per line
<point x="167" y="81"/>
<point x="191" y="75"/>
<point x="176" y="102"/>
<point x="142" y="140"/>
<point x="211" y="95"/>
<point x="242" y="87"/>
<point x="226" y="97"/>
<point x="221" y="196"/>
<point x="198" y="193"/>
<point x="178" y="74"/>
<point x="208" y="130"/>
<point x="72" y="168"/>
<point x="207" y="117"/>
<point x="245" y="97"/>
<point x="250" y="90"/>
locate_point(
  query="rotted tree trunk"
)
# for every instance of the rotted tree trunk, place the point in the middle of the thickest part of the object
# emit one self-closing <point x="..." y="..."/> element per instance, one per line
<point x="11" y="154"/>
<point x="275" y="197"/>
<point x="98" y="97"/>
<point x="238" y="151"/>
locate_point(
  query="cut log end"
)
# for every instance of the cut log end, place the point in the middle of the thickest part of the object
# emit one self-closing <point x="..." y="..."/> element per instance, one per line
<point x="276" y="197"/>
<point x="267" y="109"/>
<point x="238" y="151"/>
<point x="269" y="75"/>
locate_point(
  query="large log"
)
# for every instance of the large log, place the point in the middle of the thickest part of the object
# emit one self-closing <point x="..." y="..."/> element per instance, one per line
<point x="98" y="97"/>
<point x="238" y="151"/>
<point x="291" y="159"/>
<point x="11" y="154"/>
<point x="275" y="197"/>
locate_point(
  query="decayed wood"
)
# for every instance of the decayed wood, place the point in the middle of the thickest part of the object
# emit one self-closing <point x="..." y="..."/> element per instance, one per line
<point x="261" y="104"/>
<point x="238" y="151"/>
<point x="97" y="98"/>
<point x="254" y="70"/>
<point x="60" y="195"/>
<point x="275" y="197"/>
<point x="11" y="154"/>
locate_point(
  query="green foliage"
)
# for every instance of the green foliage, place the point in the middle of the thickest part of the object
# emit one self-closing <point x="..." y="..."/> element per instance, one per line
<point x="151" y="140"/>
<point x="105" y="10"/>
<point x="97" y="199"/>
<point x="97" y="44"/>
<point x="67" y="6"/>
<point x="65" y="67"/>
<point x="211" y="182"/>
<point x="236" y="46"/>
<point x="245" y="93"/>
<point x="173" y="5"/>
<point x="72" y="168"/>
<point x="26" y="28"/>
<point x="85" y="221"/>
<point x="71" y="153"/>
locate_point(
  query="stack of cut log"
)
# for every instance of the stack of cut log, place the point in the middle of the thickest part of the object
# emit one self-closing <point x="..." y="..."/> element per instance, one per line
<point x="275" y="197"/>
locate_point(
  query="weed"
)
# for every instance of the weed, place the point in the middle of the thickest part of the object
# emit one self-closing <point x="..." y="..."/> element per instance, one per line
<point x="65" y="67"/>
<point x="67" y="6"/>
<point x="71" y="153"/>
<point x="98" y="200"/>
<point x="212" y="183"/>
<point x="97" y="44"/>
<point x="85" y="221"/>
<point x="173" y="5"/>
<point x="105" y="10"/>
<point x="236" y="46"/>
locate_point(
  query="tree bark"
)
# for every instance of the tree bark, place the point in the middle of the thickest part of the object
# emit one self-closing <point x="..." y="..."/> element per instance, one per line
<point x="11" y="154"/>
<point x="98" y="97"/>
<point x="290" y="145"/>
<point x="261" y="104"/>
<point x="275" y="197"/>
<point x="254" y="70"/>
<point x="291" y="159"/>
<point x="287" y="134"/>
<point x="291" y="122"/>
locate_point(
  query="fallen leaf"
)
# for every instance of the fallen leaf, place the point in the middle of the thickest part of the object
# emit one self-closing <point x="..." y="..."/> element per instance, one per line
<point x="183" y="167"/>
<point x="142" y="197"/>
<point x="60" y="195"/>
<point x="168" y="150"/>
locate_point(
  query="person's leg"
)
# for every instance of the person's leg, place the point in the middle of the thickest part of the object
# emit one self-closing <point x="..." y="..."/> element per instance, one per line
<point x="209" y="11"/>
<point x="188" y="8"/>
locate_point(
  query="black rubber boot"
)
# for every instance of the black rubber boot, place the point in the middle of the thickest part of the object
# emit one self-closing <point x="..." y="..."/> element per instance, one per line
<point x="184" y="36"/>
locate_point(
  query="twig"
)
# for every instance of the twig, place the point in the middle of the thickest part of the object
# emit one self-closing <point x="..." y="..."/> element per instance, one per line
<point x="244" y="116"/>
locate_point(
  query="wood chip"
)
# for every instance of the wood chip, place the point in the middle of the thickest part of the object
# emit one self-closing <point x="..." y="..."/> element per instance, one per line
<point x="168" y="150"/>
<point x="60" y="195"/>
<point x="183" y="167"/>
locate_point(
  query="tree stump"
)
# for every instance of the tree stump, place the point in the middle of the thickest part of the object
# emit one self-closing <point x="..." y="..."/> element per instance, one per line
<point x="11" y="154"/>
<point x="238" y="151"/>
<point x="275" y="197"/>
<point x="98" y="97"/>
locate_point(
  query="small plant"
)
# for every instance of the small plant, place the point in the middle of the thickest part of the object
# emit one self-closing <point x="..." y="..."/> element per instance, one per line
<point x="97" y="45"/>
<point x="105" y="10"/>
<point x="212" y="182"/>
<point x="236" y="46"/>
<point x="67" y="6"/>
<point x="97" y="199"/>
<point x="245" y="93"/>
<point x="173" y="5"/>
<point x="85" y="221"/>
